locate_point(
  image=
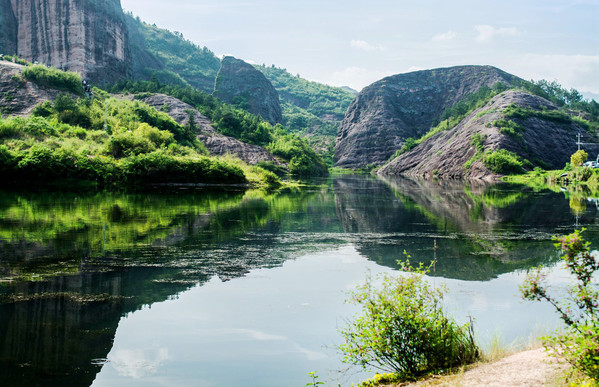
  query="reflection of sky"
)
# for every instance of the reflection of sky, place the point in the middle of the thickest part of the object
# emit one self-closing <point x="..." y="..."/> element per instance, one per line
<point x="274" y="326"/>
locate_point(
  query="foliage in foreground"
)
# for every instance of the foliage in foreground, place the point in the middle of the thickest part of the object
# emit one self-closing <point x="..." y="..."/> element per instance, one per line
<point x="578" y="309"/>
<point x="403" y="328"/>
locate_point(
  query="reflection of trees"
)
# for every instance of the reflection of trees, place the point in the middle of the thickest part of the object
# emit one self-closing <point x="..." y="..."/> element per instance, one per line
<point x="479" y="229"/>
<point x="62" y="293"/>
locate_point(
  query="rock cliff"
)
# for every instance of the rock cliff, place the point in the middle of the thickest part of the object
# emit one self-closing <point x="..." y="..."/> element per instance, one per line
<point x="543" y="140"/>
<point x="395" y="108"/>
<point x="87" y="36"/>
<point x="240" y="84"/>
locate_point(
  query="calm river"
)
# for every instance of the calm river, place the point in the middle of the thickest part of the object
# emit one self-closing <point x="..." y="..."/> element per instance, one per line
<point x="199" y="288"/>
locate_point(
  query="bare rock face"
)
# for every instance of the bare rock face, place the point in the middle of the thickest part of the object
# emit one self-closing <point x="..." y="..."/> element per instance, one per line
<point x="217" y="144"/>
<point x="240" y="84"/>
<point x="545" y="142"/>
<point x="395" y="108"/>
<point x="86" y="36"/>
<point x="8" y="28"/>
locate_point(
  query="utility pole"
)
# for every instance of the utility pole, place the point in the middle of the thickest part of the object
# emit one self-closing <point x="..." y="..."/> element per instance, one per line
<point x="579" y="143"/>
<point x="105" y="117"/>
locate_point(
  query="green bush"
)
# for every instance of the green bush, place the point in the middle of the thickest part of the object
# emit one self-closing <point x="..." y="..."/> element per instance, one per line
<point x="160" y="167"/>
<point x="53" y="78"/>
<point x="578" y="308"/>
<point x="403" y="328"/>
<point x="578" y="158"/>
<point x="503" y="162"/>
<point x="43" y="109"/>
<point x="129" y="144"/>
<point x="509" y="128"/>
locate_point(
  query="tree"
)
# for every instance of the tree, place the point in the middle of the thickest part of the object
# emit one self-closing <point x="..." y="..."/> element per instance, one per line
<point x="578" y="158"/>
<point x="578" y="309"/>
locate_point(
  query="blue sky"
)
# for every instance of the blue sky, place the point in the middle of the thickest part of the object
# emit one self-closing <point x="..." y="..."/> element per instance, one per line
<point x="355" y="43"/>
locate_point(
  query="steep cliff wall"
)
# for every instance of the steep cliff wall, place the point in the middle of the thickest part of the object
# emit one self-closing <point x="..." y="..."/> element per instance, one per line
<point x="87" y="36"/>
<point x="239" y="83"/>
<point x="8" y="28"/>
<point x="389" y="111"/>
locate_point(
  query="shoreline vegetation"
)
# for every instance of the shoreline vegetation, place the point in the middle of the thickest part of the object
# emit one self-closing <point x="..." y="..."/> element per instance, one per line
<point x="403" y="331"/>
<point x="111" y="143"/>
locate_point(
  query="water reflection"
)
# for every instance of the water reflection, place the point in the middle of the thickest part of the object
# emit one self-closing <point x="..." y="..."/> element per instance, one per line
<point x="71" y="265"/>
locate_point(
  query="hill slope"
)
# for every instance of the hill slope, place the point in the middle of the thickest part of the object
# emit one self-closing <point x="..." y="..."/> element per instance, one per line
<point x="526" y="125"/>
<point x="308" y="107"/>
<point x="398" y="107"/>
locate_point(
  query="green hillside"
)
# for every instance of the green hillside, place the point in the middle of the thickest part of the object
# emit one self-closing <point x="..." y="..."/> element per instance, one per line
<point x="308" y="107"/>
<point x="170" y="58"/>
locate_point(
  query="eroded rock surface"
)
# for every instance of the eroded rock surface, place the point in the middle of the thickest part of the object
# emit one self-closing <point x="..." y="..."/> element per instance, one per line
<point x="549" y="143"/>
<point x="395" y="108"/>
<point x="86" y="36"/>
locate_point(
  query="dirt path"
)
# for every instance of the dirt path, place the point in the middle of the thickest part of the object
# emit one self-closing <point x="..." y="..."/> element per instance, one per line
<point x="529" y="368"/>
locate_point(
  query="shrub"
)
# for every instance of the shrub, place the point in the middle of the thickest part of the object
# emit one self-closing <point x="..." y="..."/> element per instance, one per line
<point x="39" y="127"/>
<point x="578" y="158"/>
<point x="403" y="328"/>
<point x="160" y="167"/>
<point x="503" y="162"/>
<point x="579" y="309"/>
<point x="43" y="109"/>
<point x="53" y="78"/>
<point x="509" y="128"/>
<point x="129" y="144"/>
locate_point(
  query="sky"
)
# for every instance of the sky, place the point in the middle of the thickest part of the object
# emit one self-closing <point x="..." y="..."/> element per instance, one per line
<point x="355" y="43"/>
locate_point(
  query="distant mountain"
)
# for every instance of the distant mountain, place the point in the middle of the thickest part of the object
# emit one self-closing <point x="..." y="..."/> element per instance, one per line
<point x="349" y="90"/>
<point x="308" y="107"/>
<point x="388" y="112"/>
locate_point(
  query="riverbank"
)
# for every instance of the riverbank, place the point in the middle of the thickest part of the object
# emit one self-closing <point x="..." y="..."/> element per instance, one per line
<point x="527" y="368"/>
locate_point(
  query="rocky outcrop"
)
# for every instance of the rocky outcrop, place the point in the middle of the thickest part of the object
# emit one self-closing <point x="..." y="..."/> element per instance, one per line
<point x="86" y="36"/>
<point x="542" y="141"/>
<point x="240" y="84"/>
<point x="395" y="108"/>
<point x="19" y="96"/>
<point x="217" y="144"/>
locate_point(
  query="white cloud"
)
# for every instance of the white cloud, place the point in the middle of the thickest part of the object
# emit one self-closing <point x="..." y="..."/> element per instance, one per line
<point x="363" y="45"/>
<point x="487" y="32"/>
<point x="138" y="363"/>
<point x="571" y="71"/>
<point x="449" y="35"/>
<point x="357" y="77"/>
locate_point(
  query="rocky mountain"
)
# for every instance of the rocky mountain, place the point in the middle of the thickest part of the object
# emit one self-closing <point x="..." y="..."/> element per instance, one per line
<point x="395" y="108"/>
<point x="216" y="143"/>
<point x="87" y="36"/>
<point x="240" y="84"/>
<point x="526" y="125"/>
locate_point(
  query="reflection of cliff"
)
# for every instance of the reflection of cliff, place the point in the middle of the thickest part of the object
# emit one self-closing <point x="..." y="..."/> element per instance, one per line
<point x="475" y="231"/>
